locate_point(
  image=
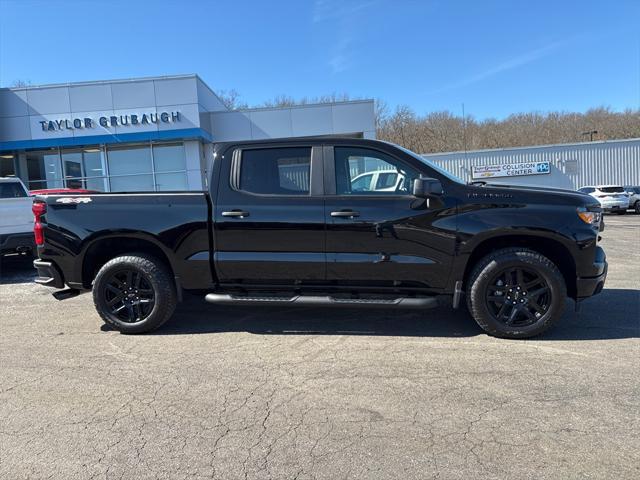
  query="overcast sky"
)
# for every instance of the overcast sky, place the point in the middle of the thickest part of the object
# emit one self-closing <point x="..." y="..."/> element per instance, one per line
<point x="497" y="57"/>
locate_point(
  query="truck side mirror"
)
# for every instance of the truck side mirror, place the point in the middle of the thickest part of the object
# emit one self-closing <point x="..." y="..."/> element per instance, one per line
<point x="426" y="187"/>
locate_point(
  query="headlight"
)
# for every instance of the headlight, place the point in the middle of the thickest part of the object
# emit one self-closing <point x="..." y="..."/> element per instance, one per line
<point x="591" y="218"/>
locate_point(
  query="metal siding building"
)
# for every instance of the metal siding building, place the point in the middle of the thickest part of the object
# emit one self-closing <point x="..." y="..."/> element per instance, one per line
<point x="572" y="165"/>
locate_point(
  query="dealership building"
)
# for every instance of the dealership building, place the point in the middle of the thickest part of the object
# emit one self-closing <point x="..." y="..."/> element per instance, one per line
<point x="144" y="134"/>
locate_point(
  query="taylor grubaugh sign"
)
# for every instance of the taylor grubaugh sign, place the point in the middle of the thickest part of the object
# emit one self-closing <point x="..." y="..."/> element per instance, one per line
<point x="510" y="169"/>
<point x="110" y="121"/>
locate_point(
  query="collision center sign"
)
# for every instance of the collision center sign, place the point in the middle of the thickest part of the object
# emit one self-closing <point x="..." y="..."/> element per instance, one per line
<point x="510" y="169"/>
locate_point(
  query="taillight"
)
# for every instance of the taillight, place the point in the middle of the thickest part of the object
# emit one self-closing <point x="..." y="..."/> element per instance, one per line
<point x="38" y="209"/>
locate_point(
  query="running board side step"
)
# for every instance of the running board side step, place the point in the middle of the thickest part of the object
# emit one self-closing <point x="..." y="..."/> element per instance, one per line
<point x="322" y="301"/>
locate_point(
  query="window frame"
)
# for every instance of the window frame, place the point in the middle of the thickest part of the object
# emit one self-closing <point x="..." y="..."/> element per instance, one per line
<point x="315" y="170"/>
<point x="330" y="187"/>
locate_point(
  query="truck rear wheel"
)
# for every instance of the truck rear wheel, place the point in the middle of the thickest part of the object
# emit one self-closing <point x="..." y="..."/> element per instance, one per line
<point x="516" y="293"/>
<point x="134" y="293"/>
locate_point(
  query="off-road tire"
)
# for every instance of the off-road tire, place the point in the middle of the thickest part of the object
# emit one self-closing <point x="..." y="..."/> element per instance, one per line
<point x="156" y="274"/>
<point x="490" y="266"/>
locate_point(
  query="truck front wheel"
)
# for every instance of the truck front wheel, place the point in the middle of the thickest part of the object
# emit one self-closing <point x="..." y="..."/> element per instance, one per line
<point x="134" y="293"/>
<point x="516" y="293"/>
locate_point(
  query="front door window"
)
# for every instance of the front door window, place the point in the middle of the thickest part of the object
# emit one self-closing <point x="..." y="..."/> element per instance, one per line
<point x="361" y="171"/>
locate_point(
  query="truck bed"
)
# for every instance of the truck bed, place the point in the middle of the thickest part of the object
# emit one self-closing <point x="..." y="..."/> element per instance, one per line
<point x="174" y="224"/>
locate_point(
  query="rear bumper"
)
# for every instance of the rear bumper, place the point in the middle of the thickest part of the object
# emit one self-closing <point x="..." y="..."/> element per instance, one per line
<point x="592" y="285"/>
<point x="608" y="207"/>
<point x="14" y="242"/>
<point x="48" y="274"/>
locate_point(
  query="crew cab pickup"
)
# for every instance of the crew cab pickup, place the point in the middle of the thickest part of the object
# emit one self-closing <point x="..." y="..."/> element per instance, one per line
<point x="282" y="225"/>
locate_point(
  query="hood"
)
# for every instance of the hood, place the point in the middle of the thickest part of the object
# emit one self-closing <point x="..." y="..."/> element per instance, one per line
<point x="531" y="194"/>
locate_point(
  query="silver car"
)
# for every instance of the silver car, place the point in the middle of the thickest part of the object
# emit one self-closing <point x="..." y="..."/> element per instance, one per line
<point x="634" y="197"/>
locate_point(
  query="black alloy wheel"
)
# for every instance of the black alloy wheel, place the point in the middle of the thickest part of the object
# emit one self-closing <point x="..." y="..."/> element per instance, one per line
<point x="129" y="295"/>
<point x="518" y="297"/>
<point x="515" y="293"/>
<point x="135" y="293"/>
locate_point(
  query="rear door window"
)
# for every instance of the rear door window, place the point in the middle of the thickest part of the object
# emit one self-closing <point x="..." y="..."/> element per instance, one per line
<point x="12" y="190"/>
<point x="612" y="189"/>
<point x="276" y="171"/>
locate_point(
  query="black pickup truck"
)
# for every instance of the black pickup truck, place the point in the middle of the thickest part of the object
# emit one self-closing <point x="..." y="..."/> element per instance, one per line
<point x="326" y="222"/>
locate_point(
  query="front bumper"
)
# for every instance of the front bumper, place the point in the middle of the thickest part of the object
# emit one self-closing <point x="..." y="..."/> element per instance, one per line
<point x="16" y="242"/>
<point x="592" y="285"/>
<point x="48" y="274"/>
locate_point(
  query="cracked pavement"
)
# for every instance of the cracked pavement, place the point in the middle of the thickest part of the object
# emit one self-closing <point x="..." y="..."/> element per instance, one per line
<point x="257" y="393"/>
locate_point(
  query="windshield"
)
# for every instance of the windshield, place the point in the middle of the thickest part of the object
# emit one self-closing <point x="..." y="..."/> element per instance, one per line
<point x="437" y="168"/>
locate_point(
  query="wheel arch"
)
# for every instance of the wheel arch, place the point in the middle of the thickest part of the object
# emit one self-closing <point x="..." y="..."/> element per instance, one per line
<point x="551" y="248"/>
<point x="103" y="249"/>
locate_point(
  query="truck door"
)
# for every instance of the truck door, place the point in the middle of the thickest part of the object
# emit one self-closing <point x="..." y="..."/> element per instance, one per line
<point x="378" y="233"/>
<point x="269" y="215"/>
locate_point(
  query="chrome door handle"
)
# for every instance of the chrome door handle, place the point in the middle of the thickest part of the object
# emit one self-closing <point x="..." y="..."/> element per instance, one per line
<point x="235" y="214"/>
<point x="345" y="213"/>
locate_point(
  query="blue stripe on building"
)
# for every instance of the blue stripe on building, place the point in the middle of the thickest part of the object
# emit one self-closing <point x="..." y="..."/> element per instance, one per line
<point x="182" y="134"/>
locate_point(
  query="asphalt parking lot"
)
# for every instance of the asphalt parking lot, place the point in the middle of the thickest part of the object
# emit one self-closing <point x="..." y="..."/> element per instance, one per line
<point x="270" y="393"/>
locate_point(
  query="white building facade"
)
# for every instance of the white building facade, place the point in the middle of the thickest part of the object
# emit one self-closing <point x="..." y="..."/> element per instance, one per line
<point x="144" y="134"/>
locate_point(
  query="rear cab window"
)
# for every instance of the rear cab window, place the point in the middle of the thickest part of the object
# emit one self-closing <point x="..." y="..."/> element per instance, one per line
<point x="12" y="190"/>
<point x="611" y="189"/>
<point x="275" y="171"/>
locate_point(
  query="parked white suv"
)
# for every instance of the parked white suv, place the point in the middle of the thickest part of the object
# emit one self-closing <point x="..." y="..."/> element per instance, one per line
<point x="613" y="198"/>
<point x="16" y="217"/>
<point x="378" y="181"/>
<point x="634" y="197"/>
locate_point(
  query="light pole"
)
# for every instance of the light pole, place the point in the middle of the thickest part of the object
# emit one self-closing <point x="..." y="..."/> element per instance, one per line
<point x="591" y="134"/>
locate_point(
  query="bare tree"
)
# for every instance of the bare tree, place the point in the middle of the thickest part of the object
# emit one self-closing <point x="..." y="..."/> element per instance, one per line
<point x="21" y="83"/>
<point x="444" y="131"/>
<point x="231" y="99"/>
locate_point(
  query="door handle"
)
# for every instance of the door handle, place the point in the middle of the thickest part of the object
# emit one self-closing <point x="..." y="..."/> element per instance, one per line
<point x="235" y="214"/>
<point x="345" y="213"/>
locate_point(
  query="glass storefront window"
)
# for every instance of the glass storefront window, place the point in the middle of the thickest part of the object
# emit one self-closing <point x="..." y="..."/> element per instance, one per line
<point x="7" y="168"/>
<point x="129" y="160"/>
<point x="72" y="162"/>
<point x="132" y="183"/>
<point x="171" y="181"/>
<point x="169" y="157"/>
<point x="44" y="169"/>
<point x="84" y="168"/>
<point x="118" y="168"/>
